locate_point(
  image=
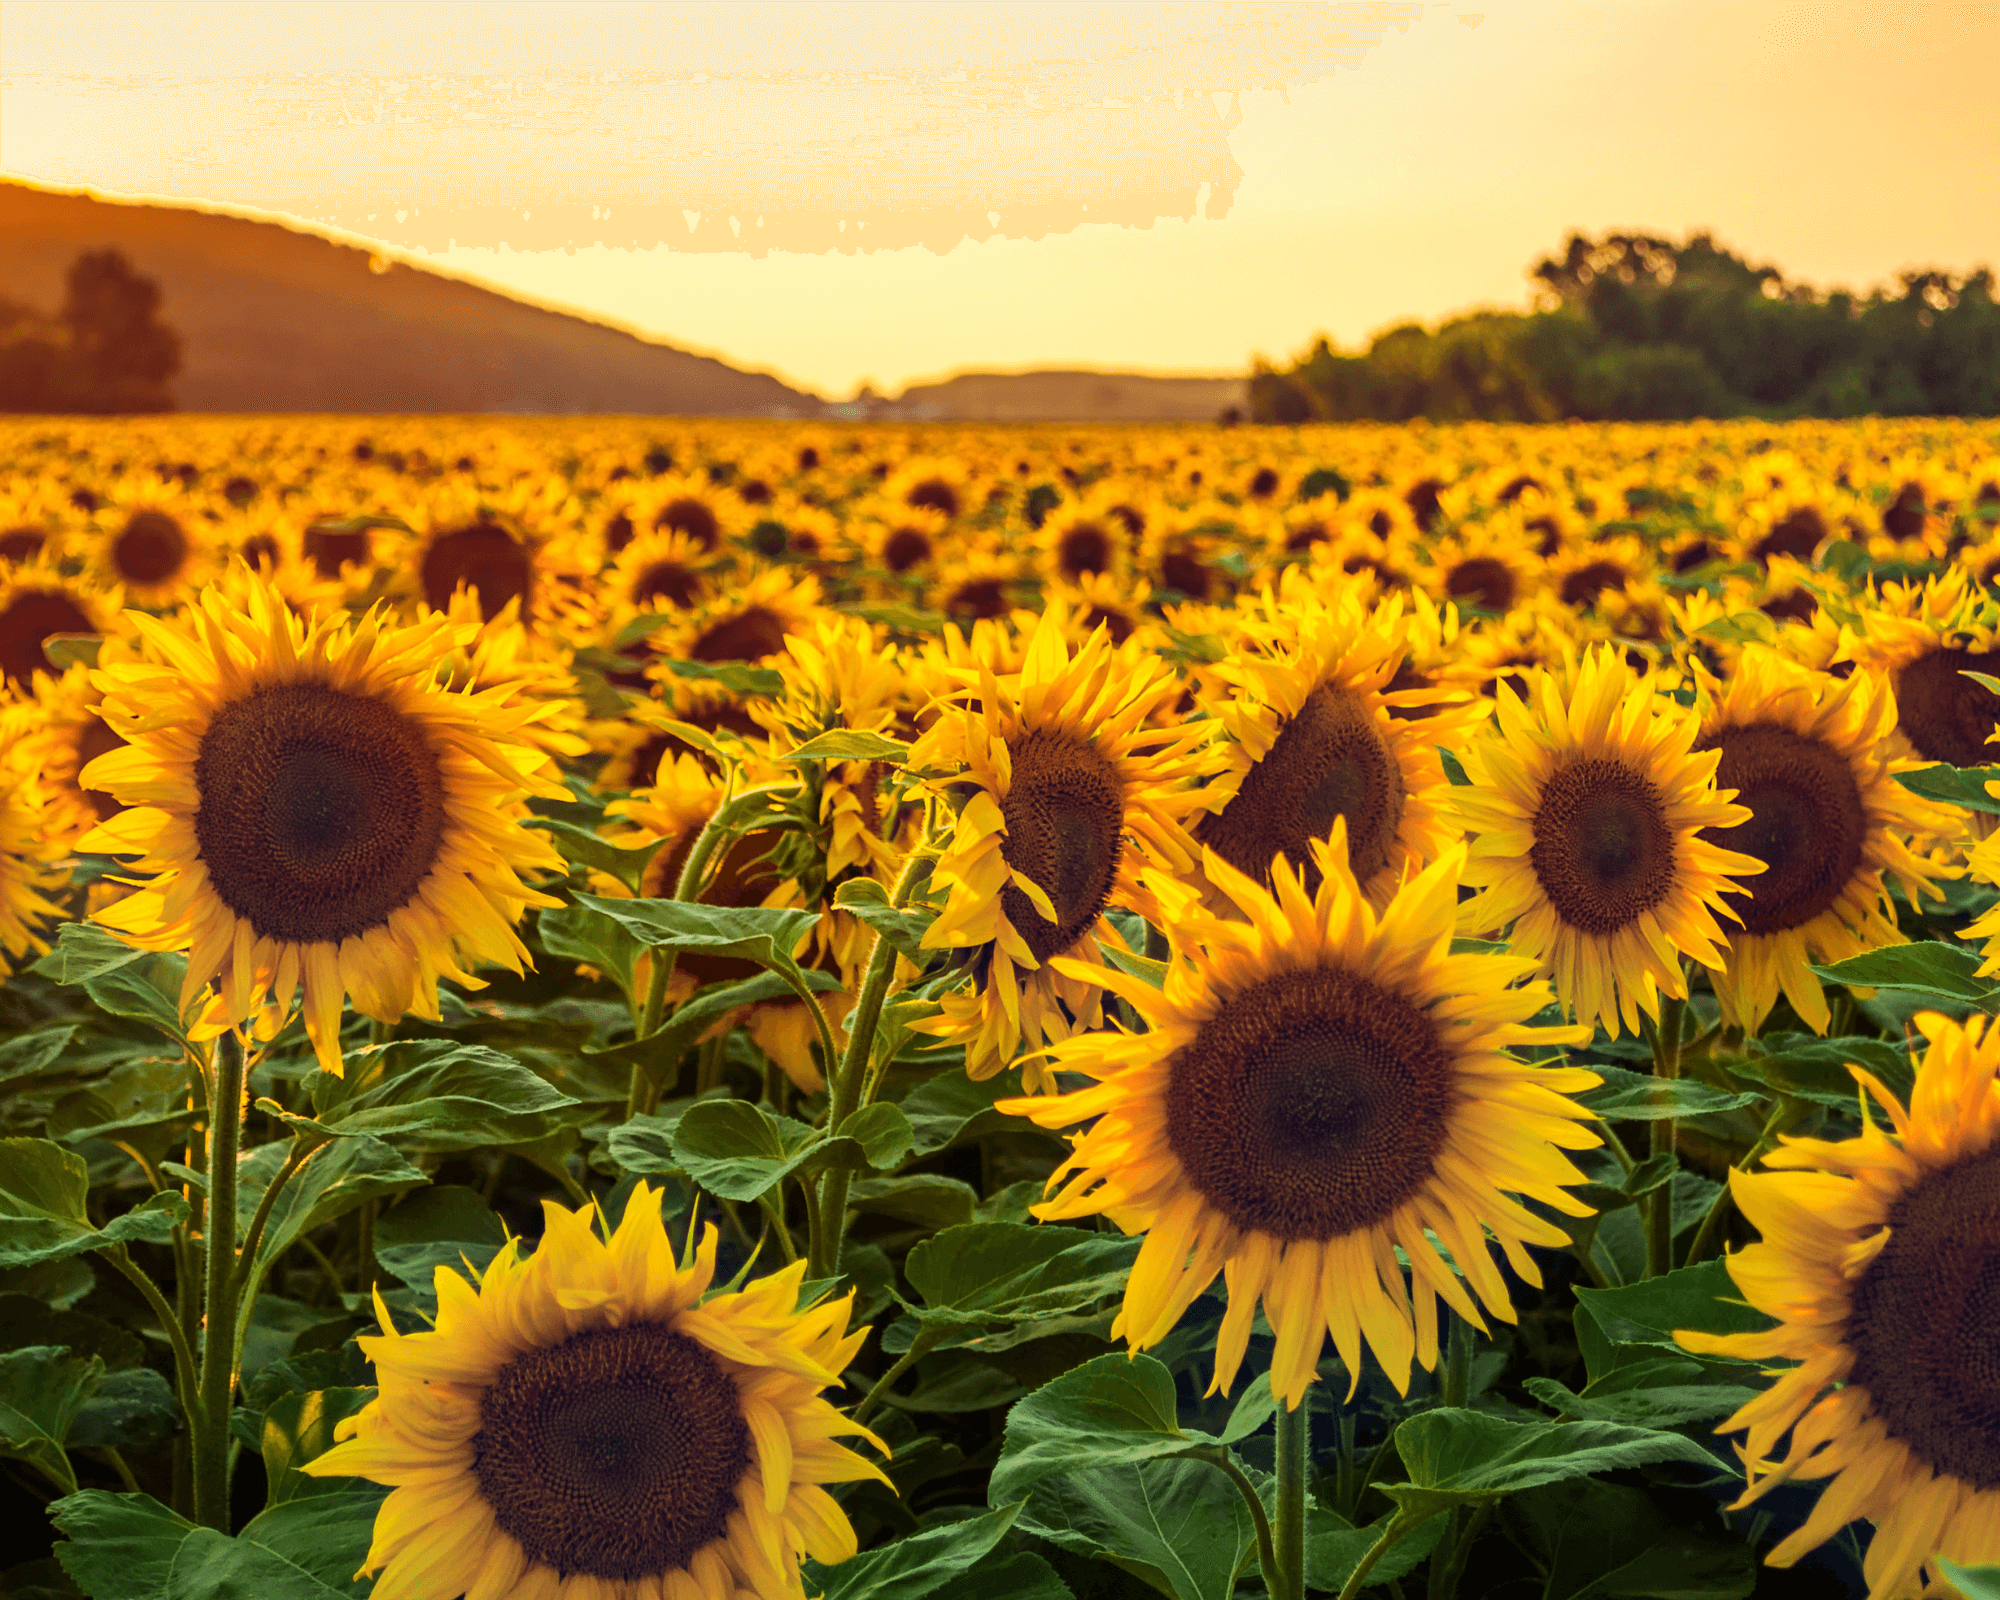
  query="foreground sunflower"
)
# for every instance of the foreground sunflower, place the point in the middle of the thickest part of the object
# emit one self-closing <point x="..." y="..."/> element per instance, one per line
<point x="1811" y="757"/>
<point x="316" y="811"/>
<point x="1878" y="1258"/>
<point x="585" y="1423"/>
<point x="1065" y="794"/>
<point x="1588" y="807"/>
<point x="29" y="848"/>
<point x="1319" y="1087"/>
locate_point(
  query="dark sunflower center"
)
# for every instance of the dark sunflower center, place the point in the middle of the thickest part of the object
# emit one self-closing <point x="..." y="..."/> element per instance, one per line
<point x="1485" y="581"/>
<point x="905" y="548"/>
<point x="1797" y="534"/>
<point x="1948" y="716"/>
<point x="1065" y="814"/>
<point x="1422" y="499"/>
<point x="1603" y="850"/>
<point x="1924" y="1322"/>
<point x="151" y="549"/>
<point x="1084" y="548"/>
<point x="1807" y="823"/>
<point x="982" y="597"/>
<point x="1310" y="1105"/>
<point x="1583" y="586"/>
<point x="486" y="560"/>
<point x="752" y="635"/>
<point x="321" y="811"/>
<point x="261" y="550"/>
<point x="1328" y="761"/>
<point x="1115" y="623"/>
<point x="1183" y="570"/>
<point x="31" y="617"/>
<point x="668" y="581"/>
<point x="22" y="544"/>
<point x="616" y="1453"/>
<point x="691" y="517"/>
<point x="936" y="494"/>
<point x="1798" y="606"/>
<point x="326" y="548"/>
<point x="1694" y="554"/>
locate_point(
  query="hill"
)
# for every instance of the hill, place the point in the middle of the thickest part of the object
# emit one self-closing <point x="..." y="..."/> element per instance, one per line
<point x="274" y="318"/>
<point x="1065" y="397"/>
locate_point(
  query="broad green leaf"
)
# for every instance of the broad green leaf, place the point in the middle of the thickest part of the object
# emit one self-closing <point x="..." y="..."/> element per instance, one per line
<point x="335" y="1179"/>
<point x="660" y="1053"/>
<point x="991" y="1275"/>
<point x="1608" y="1541"/>
<point x="1975" y="1583"/>
<point x="579" y="933"/>
<point x="963" y="1384"/>
<point x="125" y="982"/>
<point x="914" y="1567"/>
<point x="344" y="1367"/>
<point x="1945" y="971"/>
<point x="436" y="1096"/>
<point x="28" y="1055"/>
<point x="298" y="1428"/>
<point x="1810" y="1068"/>
<point x="42" y="1188"/>
<point x="738" y="1151"/>
<point x="739" y="678"/>
<point x="1334" y="1550"/>
<point x="1668" y="1405"/>
<point x="1955" y="786"/>
<point x="325" y="1534"/>
<point x="1021" y="1576"/>
<point x="1458" y="1457"/>
<point x="754" y="933"/>
<point x="141" y="1101"/>
<point x="84" y="951"/>
<point x="118" y="1546"/>
<point x="1255" y="1408"/>
<point x="1145" y="968"/>
<point x="25" y="1320"/>
<point x="952" y="1107"/>
<point x="135" y="1407"/>
<point x="904" y="929"/>
<point x="582" y="848"/>
<point x="212" y="1566"/>
<point x="1627" y="1096"/>
<point x="1179" y="1526"/>
<point x="443" y="1226"/>
<point x="41" y="1390"/>
<point x="276" y="1323"/>
<point x="1108" y="1412"/>
<point x="882" y="1131"/>
<point x="1702" y="1297"/>
<point x="851" y="744"/>
<point x="927" y="1199"/>
<point x="644" y="1144"/>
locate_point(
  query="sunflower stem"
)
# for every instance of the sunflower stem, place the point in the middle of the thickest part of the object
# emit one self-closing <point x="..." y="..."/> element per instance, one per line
<point x="1401" y="1524"/>
<point x="186" y="1382"/>
<point x="921" y="1345"/>
<point x="849" y="1079"/>
<point x="1267" y="1550"/>
<point x="1660" y="1203"/>
<point x="1287" y="1580"/>
<point x="1457" y="1361"/>
<point x="218" y="1345"/>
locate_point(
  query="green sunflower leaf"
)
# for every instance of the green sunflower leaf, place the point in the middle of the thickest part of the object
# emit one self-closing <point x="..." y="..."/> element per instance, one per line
<point x="42" y="1388"/>
<point x="1954" y="786"/>
<point x="1112" y="1411"/>
<point x="29" y="1055"/>
<point x="1701" y="1297"/>
<point x="905" y="930"/>
<point x="927" y="1199"/>
<point x="118" y="1546"/>
<point x="951" y="1108"/>
<point x="1975" y="1583"/>
<point x="582" y="848"/>
<point x="739" y="1151"/>
<point x="1943" y="971"/>
<point x="980" y="1282"/>
<point x="578" y="933"/>
<point x="299" y="1427"/>
<point x="851" y="744"/>
<point x="141" y="984"/>
<point x="133" y="1407"/>
<point x="915" y="1567"/>
<point x="1181" y="1527"/>
<point x="755" y="933"/>
<point x="1807" y="1067"/>
<point x="739" y="678"/>
<point x="42" y="1189"/>
<point x="437" y="1095"/>
<point x="1458" y="1457"/>
<point x="1609" y="1541"/>
<point x="336" y="1178"/>
<point x="1665" y="1405"/>
<point x="443" y="1226"/>
<point x="1627" y="1096"/>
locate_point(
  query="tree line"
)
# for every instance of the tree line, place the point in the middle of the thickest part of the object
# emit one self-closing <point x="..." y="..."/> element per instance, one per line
<point x="1636" y="328"/>
<point x="104" y="351"/>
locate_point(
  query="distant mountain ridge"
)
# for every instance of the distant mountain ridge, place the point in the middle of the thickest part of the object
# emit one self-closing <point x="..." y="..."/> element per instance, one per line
<point x="1064" y="396"/>
<point x="279" y="319"/>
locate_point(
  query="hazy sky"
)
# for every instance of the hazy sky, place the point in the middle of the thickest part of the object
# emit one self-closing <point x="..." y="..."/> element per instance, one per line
<point x="839" y="192"/>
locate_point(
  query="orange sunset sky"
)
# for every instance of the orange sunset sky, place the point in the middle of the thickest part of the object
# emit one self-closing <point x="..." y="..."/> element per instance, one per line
<point x="846" y="192"/>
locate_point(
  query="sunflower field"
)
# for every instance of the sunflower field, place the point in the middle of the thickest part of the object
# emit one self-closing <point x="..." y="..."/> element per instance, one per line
<point x="651" y="1010"/>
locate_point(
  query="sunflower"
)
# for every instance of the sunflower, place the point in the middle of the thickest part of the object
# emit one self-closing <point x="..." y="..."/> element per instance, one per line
<point x="39" y="601"/>
<point x="29" y="848"/>
<point x="656" y="572"/>
<point x="1809" y="755"/>
<point x="1317" y="726"/>
<point x="586" y="1423"/>
<point x="1926" y="639"/>
<point x="1877" y="1259"/>
<point x="1065" y="794"/>
<point x="1318" y="1087"/>
<point x="1588" y="807"/>
<point x="317" y="811"/>
<point x="1076" y="542"/>
<point x="761" y="608"/>
<point x="150" y="540"/>
<point x="61" y="736"/>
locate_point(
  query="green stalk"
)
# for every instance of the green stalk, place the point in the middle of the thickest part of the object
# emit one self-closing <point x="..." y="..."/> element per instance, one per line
<point x="218" y="1345"/>
<point x="1660" y="1203"/>
<point x="921" y="1345"/>
<point x="1267" y="1550"/>
<point x="1457" y="1391"/>
<point x="1402" y="1523"/>
<point x="1288" y="1533"/>
<point x="847" y="1096"/>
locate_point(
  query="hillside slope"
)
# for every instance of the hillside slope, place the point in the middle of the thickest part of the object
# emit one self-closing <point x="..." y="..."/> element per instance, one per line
<point x="276" y="319"/>
<point x="1056" y="396"/>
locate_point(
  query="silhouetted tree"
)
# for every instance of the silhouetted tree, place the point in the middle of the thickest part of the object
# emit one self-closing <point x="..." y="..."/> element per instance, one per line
<point x="105" y="351"/>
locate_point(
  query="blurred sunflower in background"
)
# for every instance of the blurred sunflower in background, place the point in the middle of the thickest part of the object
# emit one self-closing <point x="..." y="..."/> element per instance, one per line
<point x="593" y="1420"/>
<point x="31" y="852"/>
<point x="1320" y="1086"/>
